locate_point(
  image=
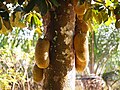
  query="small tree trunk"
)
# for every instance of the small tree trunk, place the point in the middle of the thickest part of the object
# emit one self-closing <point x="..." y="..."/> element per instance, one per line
<point x="92" y="55"/>
<point x="60" y="75"/>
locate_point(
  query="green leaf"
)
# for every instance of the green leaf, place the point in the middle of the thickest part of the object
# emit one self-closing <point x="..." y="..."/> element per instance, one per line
<point x="37" y="21"/>
<point x="117" y="10"/>
<point x="38" y="30"/>
<point x="107" y="23"/>
<point x="104" y="15"/>
<point x="98" y="1"/>
<point x="28" y="17"/>
<point x="97" y="17"/>
<point x="107" y="3"/>
<point x="30" y="5"/>
<point x="38" y="15"/>
<point x="87" y="15"/>
<point x="55" y="3"/>
<point x="98" y="7"/>
<point x="43" y="7"/>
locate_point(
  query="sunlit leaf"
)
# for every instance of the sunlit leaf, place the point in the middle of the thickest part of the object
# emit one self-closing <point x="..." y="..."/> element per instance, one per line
<point x="28" y="17"/>
<point x="37" y="20"/>
<point x="97" y="17"/>
<point x="110" y="20"/>
<point x="38" y="30"/>
<point x="108" y="3"/>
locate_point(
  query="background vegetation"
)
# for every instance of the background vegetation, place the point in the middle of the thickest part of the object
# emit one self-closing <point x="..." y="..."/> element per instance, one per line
<point x="17" y="55"/>
<point x="17" y="51"/>
<point x="16" y="60"/>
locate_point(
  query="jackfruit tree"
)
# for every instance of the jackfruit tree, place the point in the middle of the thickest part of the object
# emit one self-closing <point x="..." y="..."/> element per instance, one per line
<point x="62" y="50"/>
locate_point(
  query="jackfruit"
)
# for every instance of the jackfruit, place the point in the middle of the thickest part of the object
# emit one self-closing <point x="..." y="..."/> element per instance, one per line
<point x="80" y="46"/>
<point x="37" y="74"/>
<point x="75" y="2"/>
<point x="117" y="24"/>
<point x="42" y="53"/>
<point x="80" y="9"/>
<point x="79" y="65"/>
<point x="80" y="17"/>
<point x="84" y="28"/>
<point x="81" y="51"/>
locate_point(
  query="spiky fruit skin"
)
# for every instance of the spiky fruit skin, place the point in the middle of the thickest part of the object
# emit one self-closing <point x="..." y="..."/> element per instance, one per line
<point x="37" y="74"/>
<point x="81" y="51"/>
<point x="80" y="65"/>
<point x="84" y="26"/>
<point x="42" y="53"/>
<point x="80" y="17"/>
<point x="80" y="45"/>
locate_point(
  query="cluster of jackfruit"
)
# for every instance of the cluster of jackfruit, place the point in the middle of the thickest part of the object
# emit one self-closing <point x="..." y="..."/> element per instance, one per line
<point x="37" y="74"/>
<point x="81" y="46"/>
<point x="80" y="8"/>
<point x="41" y="59"/>
<point x="80" y="38"/>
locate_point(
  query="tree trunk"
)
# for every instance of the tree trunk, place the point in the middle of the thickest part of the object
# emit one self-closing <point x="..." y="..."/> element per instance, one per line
<point x="60" y="75"/>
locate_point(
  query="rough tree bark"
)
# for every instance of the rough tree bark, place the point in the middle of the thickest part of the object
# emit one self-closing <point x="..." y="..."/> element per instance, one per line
<point x="60" y="75"/>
